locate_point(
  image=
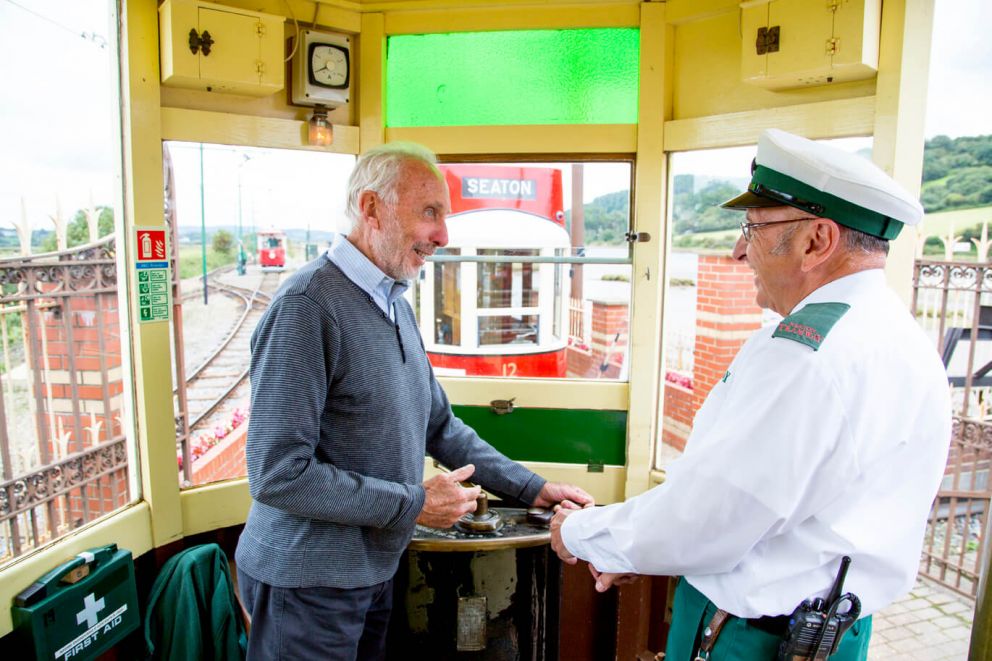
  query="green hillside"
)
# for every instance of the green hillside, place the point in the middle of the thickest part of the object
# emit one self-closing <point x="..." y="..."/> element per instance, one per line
<point x="957" y="189"/>
<point x="940" y="223"/>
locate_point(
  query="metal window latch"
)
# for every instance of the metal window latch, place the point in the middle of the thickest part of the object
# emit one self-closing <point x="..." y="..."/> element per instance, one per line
<point x="637" y="237"/>
<point x="767" y="40"/>
<point x="200" y="42"/>
<point x="502" y="406"/>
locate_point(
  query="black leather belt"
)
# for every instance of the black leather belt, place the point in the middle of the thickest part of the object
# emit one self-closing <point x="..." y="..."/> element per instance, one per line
<point x="777" y="625"/>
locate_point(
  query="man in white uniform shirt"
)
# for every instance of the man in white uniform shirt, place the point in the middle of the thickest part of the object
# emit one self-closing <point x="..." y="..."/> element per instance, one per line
<point x="827" y="437"/>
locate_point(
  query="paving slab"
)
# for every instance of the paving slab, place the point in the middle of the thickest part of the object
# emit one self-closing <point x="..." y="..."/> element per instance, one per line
<point x="931" y="623"/>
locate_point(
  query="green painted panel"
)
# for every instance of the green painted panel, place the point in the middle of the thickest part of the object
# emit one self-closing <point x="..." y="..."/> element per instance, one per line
<point x="574" y="436"/>
<point x="587" y="76"/>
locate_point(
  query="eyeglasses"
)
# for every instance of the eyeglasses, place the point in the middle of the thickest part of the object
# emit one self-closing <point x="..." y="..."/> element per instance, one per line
<point x="746" y="228"/>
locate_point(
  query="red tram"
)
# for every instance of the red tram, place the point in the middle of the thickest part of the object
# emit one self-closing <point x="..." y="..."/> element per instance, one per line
<point x="271" y="246"/>
<point x="491" y="317"/>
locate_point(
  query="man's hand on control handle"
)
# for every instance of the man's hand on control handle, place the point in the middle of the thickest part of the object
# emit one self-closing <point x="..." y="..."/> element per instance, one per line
<point x="447" y="500"/>
<point x="553" y="493"/>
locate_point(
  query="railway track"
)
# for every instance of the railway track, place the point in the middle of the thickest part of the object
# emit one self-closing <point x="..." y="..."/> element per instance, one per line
<point x="219" y="384"/>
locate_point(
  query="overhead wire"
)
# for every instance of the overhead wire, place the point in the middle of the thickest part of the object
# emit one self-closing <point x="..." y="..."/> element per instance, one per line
<point x="92" y="37"/>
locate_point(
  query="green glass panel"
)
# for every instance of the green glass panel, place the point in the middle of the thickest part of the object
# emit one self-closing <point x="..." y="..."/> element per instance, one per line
<point x="573" y="436"/>
<point x="504" y="78"/>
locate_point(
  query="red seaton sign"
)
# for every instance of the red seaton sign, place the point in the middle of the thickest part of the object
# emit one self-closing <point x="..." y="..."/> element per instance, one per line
<point x="531" y="190"/>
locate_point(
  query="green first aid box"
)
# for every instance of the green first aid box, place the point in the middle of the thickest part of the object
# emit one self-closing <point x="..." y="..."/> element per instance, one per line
<point x="81" y="608"/>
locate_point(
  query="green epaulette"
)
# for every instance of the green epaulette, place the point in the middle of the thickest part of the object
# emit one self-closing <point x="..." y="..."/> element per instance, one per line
<point x="810" y="325"/>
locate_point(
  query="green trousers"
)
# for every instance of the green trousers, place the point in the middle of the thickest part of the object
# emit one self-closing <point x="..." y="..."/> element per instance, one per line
<point x="739" y="641"/>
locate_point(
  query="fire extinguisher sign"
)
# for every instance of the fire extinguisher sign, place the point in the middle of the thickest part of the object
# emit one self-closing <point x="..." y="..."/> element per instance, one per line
<point x="152" y="274"/>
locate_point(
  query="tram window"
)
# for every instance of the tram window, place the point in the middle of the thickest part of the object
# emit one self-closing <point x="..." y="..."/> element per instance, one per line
<point x="64" y="442"/>
<point x="508" y="329"/>
<point x="447" y="302"/>
<point x="240" y="224"/>
<point x="541" y="248"/>
<point x="709" y="297"/>
<point x="507" y="284"/>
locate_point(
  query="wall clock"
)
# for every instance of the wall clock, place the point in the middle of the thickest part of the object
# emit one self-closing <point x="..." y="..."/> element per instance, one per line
<point x="322" y="69"/>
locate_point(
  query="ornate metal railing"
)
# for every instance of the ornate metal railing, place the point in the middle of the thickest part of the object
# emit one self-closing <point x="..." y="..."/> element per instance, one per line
<point x="955" y="537"/>
<point x="953" y="303"/>
<point x="952" y="300"/>
<point x="55" y="499"/>
<point x="61" y="394"/>
<point x="90" y="268"/>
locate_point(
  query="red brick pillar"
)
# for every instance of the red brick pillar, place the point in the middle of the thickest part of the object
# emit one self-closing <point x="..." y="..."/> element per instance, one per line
<point x="726" y="315"/>
<point x="81" y="388"/>
<point x="607" y="345"/>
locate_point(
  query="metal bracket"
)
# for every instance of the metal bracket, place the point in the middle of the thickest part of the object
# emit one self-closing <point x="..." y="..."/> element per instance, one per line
<point x="502" y="406"/>
<point x="595" y="467"/>
<point x="199" y="42"/>
<point x="637" y="237"/>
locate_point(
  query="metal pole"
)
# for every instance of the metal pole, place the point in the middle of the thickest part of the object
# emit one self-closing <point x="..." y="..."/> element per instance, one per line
<point x="203" y="229"/>
<point x="578" y="229"/>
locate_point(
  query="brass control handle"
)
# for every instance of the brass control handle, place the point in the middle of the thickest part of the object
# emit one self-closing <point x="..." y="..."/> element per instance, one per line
<point x="481" y="504"/>
<point x="539" y="515"/>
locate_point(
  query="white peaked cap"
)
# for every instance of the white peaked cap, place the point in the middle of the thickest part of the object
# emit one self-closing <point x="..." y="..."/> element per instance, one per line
<point x="828" y="182"/>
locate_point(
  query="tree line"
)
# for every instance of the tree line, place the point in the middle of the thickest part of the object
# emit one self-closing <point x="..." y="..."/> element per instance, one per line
<point x="957" y="174"/>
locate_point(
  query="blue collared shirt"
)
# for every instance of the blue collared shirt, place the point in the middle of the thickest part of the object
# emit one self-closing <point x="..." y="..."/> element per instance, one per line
<point x="360" y="270"/>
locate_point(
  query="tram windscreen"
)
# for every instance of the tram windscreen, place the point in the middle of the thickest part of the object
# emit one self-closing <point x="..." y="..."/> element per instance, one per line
<point x="535" y="279"/>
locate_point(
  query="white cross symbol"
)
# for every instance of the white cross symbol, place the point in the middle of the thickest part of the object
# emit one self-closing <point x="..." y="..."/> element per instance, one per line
<point x="91" y="607"/>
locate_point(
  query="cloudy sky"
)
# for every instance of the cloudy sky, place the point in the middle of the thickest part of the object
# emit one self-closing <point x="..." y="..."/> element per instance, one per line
<point x="58" y="120"/>
<point x="959" y="98"/>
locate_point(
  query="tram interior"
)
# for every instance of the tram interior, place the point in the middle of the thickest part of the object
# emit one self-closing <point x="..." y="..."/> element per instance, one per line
<point x="590" y="319"/>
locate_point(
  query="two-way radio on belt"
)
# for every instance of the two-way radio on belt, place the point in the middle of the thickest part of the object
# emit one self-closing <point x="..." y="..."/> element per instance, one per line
<point x="816" y="627"/>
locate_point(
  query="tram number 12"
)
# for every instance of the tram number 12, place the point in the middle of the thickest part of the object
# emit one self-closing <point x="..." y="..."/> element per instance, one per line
<point x="509" y="369"/>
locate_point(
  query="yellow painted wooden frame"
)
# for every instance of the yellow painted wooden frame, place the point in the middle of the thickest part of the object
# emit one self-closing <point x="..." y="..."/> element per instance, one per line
<point x="538" y="393"/>
<point x="231" y="129"/>
<point x="550" y="139"/>
<point x="485" y="18"/>
<point x="825" y="119"/>
<point x="893" y="117"/>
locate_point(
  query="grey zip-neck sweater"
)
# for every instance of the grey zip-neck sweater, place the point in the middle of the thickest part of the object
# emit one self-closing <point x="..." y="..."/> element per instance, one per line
<point x="344" y="407"/>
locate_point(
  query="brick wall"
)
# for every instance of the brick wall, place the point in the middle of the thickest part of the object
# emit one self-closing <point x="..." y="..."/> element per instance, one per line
<point x="726" y="315"/>
<point x="223" y="461"/>
<point x="603" y="359"/>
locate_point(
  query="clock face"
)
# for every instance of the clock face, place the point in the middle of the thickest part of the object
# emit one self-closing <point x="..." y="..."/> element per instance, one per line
<point x="328" y="66"/>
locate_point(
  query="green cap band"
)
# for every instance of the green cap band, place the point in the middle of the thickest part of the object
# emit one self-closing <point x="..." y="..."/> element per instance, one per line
<point x="835" y="208"/>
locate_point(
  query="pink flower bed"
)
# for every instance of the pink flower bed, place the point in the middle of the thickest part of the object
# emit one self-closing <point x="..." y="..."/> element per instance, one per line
<point x="679" y="379"/>
<point x="202" y="441"/>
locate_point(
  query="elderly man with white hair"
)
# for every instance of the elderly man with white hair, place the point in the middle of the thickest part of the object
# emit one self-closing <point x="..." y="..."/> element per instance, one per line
<point x="344" y="406"/>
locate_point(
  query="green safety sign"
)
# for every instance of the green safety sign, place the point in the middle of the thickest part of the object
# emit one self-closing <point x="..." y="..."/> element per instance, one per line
<point x="152" y="268"/>
<point x="80" y="609"/>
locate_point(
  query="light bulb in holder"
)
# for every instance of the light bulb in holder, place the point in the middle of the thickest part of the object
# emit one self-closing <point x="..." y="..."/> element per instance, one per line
<point x="321" y="131"/>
